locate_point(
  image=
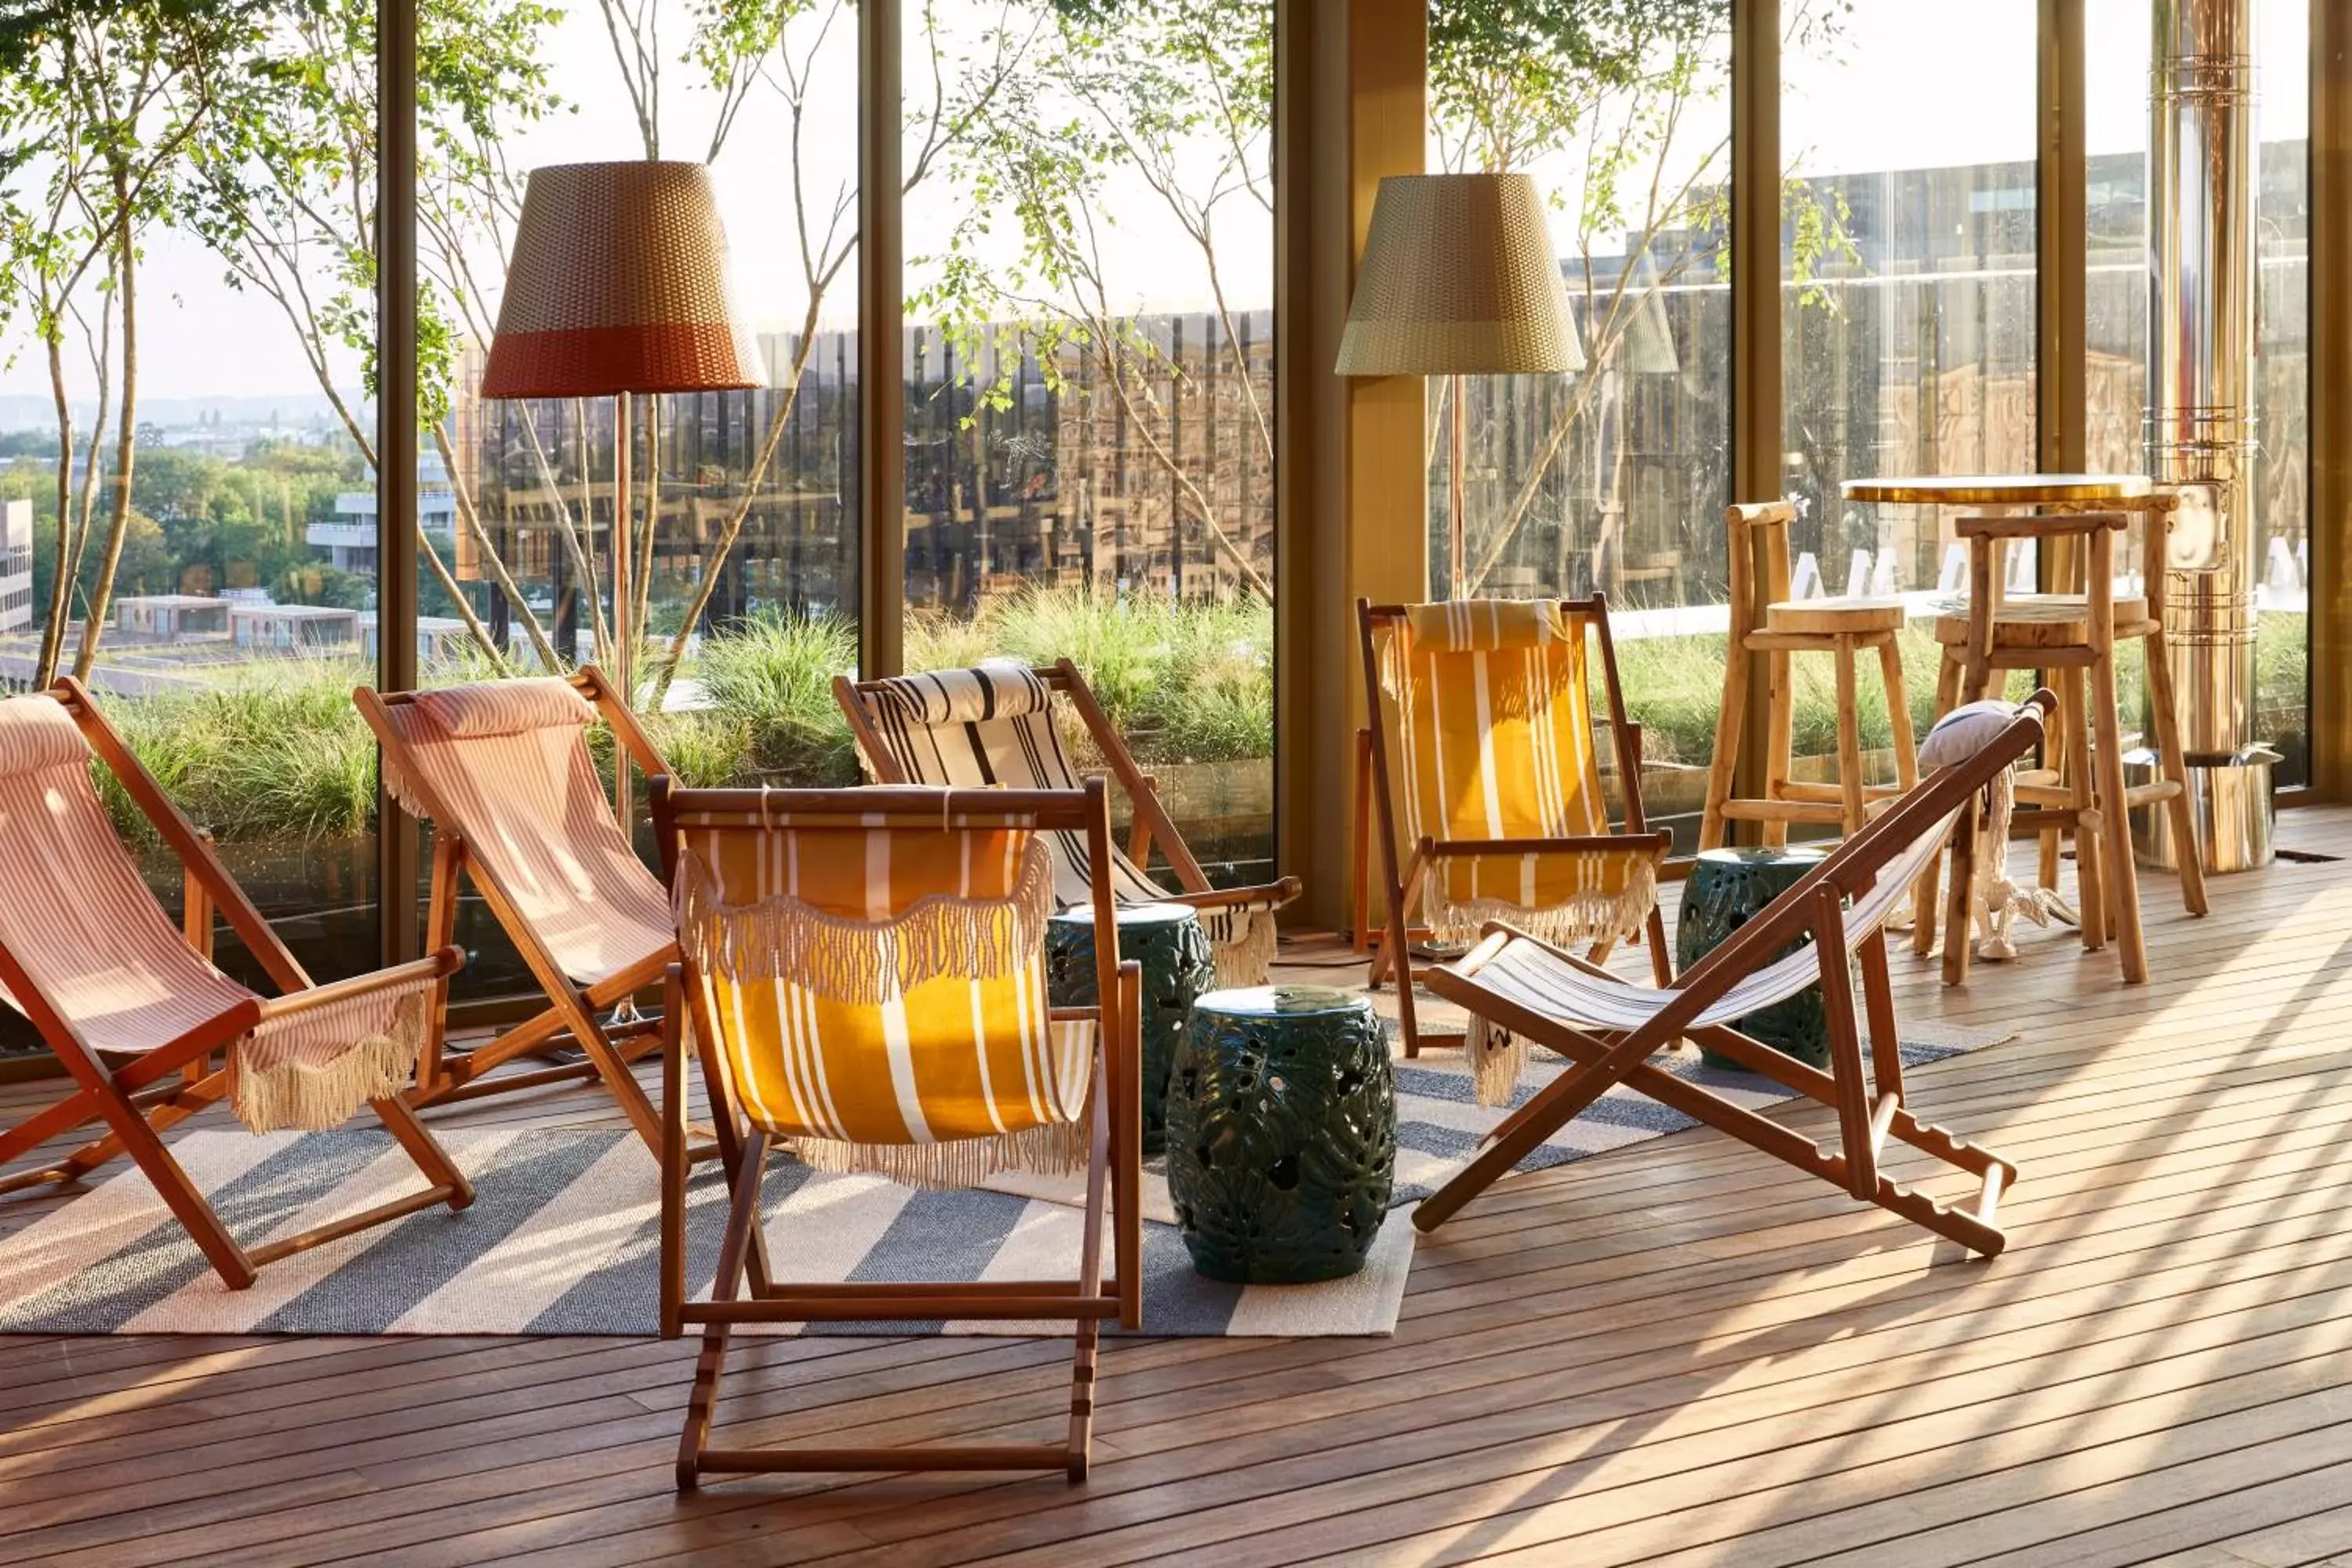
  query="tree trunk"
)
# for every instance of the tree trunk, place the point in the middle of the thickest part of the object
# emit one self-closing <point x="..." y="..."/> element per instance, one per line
<point x="53" y="634"/>
<point x="126" y="434"/>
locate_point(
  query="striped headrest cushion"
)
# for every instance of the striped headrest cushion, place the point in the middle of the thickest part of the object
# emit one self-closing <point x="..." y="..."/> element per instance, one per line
<point x="1002" y="688"/>
<point x="505" y="707"/>
<point x="36" y="733"/>
<point x="1486" y="626"/>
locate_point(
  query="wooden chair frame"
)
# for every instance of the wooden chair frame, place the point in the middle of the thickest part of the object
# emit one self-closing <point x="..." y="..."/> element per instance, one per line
<point x="744" y="1289"/>
<point x="1151" y="826"/>
<point x="573" y="1011"/>
<point x="1402" y="885"/>
<point x="1868" y="1112"/>
<point x="133" y="1099"/>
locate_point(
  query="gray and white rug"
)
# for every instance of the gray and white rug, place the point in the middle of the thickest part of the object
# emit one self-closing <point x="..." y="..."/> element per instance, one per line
<point x="561" y="1239"/>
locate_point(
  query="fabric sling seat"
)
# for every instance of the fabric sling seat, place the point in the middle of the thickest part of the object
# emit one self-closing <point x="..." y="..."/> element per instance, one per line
<point x="994" y="725"/>
<point x="1542" y="996"/>
<point x="502" y="770"/>
<point x="864" y="975"/>
<point x="136" y="1010"/>
<point x="1488" y="785"/>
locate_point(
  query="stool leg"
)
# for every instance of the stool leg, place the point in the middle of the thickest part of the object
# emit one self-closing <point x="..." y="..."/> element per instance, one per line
<point x="2114" y="823"/>
<point x="1898" y="714"/>
<point x="1849" y="737"/>
<point x="2167" y="745"/>
<point x="1923" y="896"/>
<point x="1959" y="898"/>
<point x="1775" y="774"/>
<point x="2076" y="759"/>
<point x="2056" y="742"/>
<point x="1729" y="721"/>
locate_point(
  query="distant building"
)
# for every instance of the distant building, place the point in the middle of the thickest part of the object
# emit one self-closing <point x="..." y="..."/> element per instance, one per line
<point x="16" y="566"/>
<point x="293" y="628"/>
<point x="349" y="543"/>
<point x="439" y="638"/>
<point x="169" y="617"/>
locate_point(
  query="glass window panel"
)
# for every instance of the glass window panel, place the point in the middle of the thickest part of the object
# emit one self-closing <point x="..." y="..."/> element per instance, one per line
<point x="1089" y="364"/>
<point x="753" y="533"/>
<point x="2119" y="33"/>
<point x="1908" y="307"/>
<point x="1612" y="479"/>
<point x="192" y="601"/>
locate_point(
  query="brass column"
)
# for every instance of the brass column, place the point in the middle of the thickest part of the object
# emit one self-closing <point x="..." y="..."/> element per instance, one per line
<point x="399" y="935"/>
<point x="1757" y="436"/>
<point x="2331" y="399"/>
<point x="881" y="318"/>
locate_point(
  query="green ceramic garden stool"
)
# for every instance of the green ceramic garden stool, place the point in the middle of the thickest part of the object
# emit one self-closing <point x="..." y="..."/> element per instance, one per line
<point x="1281" y="1134"/>
<point x="1178" y="966"/>
<point x="1727" y="889"/>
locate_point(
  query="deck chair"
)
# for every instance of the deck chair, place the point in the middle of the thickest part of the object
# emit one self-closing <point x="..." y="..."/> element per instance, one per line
<point x="1550" y="998"/>
<point x="136" y="1011"/>
<point x="994" y="725"/>
<point x="1486" y="783"/>
<point x="863" y="973"/>
<point x="502" y="770"/>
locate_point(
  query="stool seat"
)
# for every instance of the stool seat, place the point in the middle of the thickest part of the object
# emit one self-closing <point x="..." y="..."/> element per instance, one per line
<point x="1831" y="617"/>
<point x="2034" y="620"/>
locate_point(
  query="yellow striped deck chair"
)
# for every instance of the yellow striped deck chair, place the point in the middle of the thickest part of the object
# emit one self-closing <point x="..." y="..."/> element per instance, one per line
<point x="502" y="769"/>
<point x="137" y="1013"/>
<point x="863" y="971"/>
<point x="1486" y="782"/>
<point x="994" y="724"/>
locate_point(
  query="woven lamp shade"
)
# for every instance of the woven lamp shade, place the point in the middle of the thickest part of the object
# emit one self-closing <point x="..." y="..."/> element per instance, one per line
<point x="1459" y="278"/>
<point x="618" y="283"/>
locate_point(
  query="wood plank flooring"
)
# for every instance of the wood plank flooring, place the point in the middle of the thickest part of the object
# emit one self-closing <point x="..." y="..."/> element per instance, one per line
<point x="1680" y="1353"/>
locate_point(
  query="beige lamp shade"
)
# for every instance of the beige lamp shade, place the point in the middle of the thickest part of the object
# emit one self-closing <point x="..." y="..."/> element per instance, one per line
<point x="618" y="283"/>
<point x="1458" y="278"/>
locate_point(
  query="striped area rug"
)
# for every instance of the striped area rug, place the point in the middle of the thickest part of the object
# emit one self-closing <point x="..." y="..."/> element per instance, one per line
<point x="561" y="1238"/>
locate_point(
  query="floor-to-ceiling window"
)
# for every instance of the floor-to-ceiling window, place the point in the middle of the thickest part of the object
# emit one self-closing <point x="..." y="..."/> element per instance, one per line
<point x="1907" y="297"/>
<point x="187" y="510"/>
<point x="1612" y="478"/>
<point x="1089" y="363"/>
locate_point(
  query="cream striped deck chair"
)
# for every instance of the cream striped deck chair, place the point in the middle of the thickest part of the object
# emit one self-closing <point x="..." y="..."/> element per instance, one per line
<point x="864" y="973"/>
<point x="137" y="1012"/>
<point x="502" y="770"/>
<point x="1543" y="995"/>
<point x="994" y="725"/>
<point x="1486" y="783"/>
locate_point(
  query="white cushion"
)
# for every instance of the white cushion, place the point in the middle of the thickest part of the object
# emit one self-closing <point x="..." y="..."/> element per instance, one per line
<point x="1964" y="732"/>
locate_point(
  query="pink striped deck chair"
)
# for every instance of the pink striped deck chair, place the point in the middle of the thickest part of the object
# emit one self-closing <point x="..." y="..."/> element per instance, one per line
<point x="136" y="1011"/>
<point x="993" y="726"/>
<point x="502" y="770"/>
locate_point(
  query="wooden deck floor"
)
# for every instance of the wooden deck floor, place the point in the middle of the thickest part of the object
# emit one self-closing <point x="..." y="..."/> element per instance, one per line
<point x="1680" y="1353"/>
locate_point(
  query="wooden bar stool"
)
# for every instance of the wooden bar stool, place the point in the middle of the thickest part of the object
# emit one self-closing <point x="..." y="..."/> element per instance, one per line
<point x="2071" y="637"/>
<point x="1843" y="628"/>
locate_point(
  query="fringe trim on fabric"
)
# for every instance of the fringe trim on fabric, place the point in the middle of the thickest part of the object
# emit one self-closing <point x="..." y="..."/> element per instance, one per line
<point x="1583" y="917"/>
<point x="396" y="784"/>
<point x="313" y="1098"/>
<point x="1246" y="955"/>
<point x="1055" y="1149"/>
<point x="865" y="963"/>
<point x="1495" y="1058"/>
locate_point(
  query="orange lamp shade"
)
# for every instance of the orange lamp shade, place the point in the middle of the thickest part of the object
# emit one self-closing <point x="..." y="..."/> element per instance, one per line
<point x="618" y="283"/>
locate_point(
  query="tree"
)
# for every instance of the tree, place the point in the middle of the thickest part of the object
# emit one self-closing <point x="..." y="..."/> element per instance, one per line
<point x="101" y="101"/>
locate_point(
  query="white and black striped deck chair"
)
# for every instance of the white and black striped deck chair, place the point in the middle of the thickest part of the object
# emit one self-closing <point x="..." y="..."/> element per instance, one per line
<point x="994" y="725"/>
<point x="1545" y="996"/>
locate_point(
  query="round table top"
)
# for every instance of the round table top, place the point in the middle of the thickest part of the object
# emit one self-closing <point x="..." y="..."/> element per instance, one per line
<point x="1805" y="855"/>
<point x="1281" y="1002"/>
<point x="1997" y="489"/>
<point x="1128" y="915"/>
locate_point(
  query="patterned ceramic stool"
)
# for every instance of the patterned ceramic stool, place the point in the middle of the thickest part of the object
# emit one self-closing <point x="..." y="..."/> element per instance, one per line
<point x="1177" y="966"/>
<point x="1727" y="889"/>
<point x="1281" y="1134"/>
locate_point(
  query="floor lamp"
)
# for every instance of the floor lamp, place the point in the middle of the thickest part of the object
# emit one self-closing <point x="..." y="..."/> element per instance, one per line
<point x="617" y="287"/>
<point x="1458" y="278"/>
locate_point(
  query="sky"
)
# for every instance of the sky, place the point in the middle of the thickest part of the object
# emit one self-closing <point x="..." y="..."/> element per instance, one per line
<point x="1856" y="112"/>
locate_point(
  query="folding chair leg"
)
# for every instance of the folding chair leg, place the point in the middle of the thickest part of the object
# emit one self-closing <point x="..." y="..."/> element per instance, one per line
<point x="425" y="1151"/>
<point x="229" y="1260"/>
<point x="742" y="1218"/>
